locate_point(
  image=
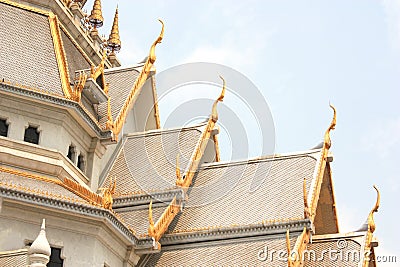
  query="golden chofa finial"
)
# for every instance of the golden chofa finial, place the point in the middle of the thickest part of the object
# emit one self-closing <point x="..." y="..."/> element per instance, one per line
<point x="152" y="54"/>
<point x="371" y="222"/>
<point x="327" y="138"/>
<point x="214" y="113"/>
<point x="114" y="42"/>
<point x="96" y="17"/>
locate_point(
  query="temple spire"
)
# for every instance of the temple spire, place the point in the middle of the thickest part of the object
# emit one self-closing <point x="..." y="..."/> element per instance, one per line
<point x="114" y="42"/>
<point x="96" y="17"/>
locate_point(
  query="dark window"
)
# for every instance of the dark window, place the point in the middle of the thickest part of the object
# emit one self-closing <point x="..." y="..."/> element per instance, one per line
<point x="55" y="258"/>
<point x="71" y="153"/>
<point x="31" y="135"/>
<point x="81" y="162"/>
<point x="99" y="81"/>
<point x="3" y="128"/>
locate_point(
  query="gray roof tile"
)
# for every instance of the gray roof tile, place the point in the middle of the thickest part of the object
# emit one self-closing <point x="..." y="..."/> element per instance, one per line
<point x="331" y="252"/>
<point x="146" y="162"/>
<point x="26" y="50"/>
<point x="221" y="194"/>
<point x="138" y="219"/>
<point x="14" y="258"/>
<point x="121" y="83"/>
<point x="236" y="252"/>
<point x="76" y="61"/>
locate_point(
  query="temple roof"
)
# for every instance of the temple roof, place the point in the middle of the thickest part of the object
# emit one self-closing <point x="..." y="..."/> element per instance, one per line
<point x="146" y="161"/>
<point x="222" y="193"/>
<point x="232" y="252"/>
<point x="27" y="54"/>
<point x="16" y="258"/>
<point x="48" y="187"/>
<point x="121" y="83"/>
<point x="347" y="250"/>
<point x="138" y="218"/>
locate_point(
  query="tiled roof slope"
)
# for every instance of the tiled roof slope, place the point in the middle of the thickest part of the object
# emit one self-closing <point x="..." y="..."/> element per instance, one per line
<point x="26" y="50"/>
<point x="138" y="219"/>
<point x="345" y="251"/>
<point x="18" y="258"/>
<point x="146" y="161"/>
<point x="38" y="187"/>
<point x="222" y="195"/>
<point x="121" y="82"/>
<point x="236" y="252"/>
<point x="76" y="61"/>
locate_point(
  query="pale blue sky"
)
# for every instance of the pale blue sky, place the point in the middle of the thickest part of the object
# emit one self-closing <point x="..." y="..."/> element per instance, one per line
<point x="301" y="55"/>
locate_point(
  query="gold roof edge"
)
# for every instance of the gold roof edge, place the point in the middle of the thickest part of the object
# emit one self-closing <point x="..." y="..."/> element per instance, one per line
<point x="60" y="56"/>
<point x="116" y="126"/>
<point x="321" y="166"/>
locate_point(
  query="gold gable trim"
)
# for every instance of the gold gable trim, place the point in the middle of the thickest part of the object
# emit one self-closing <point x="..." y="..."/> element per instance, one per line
<point x="161" y="226"/>
<point x="322" y="164"/>
<point x="140" y="81"/>
<point x="199" y="150"/>
<point x="60" y="56"/>
<point x="25" y="7"/>
<point x="68" y="184"/>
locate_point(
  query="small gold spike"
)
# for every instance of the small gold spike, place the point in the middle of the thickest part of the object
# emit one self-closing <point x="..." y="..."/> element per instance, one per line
<point x="178" y="171"/>
<point x="290" y="262"/>
<point x="371" y="222"/>
<point x="152" y="55"/>
<point x="114" y="41"/>
<point x="306" y="207"/>
<point x="151" y="222"/>
<point x="96" y="16"/>
<point x="327" y="138"/>
<point x="214" y="114"/>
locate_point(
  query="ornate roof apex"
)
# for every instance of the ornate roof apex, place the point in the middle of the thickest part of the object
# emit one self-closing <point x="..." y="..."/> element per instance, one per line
<point x="114" y="42"/>
<point x="96" y="17"/>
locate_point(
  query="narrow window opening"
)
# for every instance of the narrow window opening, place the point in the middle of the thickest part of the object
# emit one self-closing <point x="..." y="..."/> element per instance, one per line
<point x="3" y="127"/>
<point x="31" y="135"/>
<point x="71" y="153"/>
<point x="55" y="258"/>
<point x="81" y="162"/>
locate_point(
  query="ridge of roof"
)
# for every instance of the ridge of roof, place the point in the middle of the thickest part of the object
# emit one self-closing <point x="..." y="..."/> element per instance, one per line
<point x="136" y="67"/>
<point x="349" y="235"/>
<point x="168" y="130"/>
<point x="144" y="197"/>
<point x="306" y="153"/>
<point x="268" y="227"/>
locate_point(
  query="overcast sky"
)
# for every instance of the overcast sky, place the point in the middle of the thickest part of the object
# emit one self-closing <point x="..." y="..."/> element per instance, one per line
<point x="300" y="55"/>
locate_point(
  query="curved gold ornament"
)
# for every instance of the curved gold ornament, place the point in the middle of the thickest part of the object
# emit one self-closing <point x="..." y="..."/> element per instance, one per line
<point x="152" y="54"/>
<point x="371" y="222"/>
<point x="214" y="113"/>
<point x="327" y="138"/>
